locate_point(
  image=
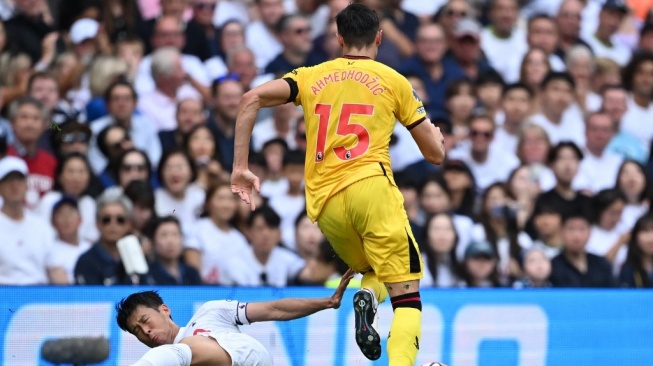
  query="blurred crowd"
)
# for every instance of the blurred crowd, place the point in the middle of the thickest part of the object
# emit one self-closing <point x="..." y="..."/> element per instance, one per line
<point x="118" y="118"/>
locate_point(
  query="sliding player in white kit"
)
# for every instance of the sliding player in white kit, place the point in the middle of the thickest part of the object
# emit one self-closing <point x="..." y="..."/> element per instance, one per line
<point x="212" y="336"/>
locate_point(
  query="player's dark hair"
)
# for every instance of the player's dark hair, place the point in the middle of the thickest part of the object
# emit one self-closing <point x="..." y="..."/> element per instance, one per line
<point x="358" y="25"/>
<point x="270" y="217"/>
<point x="557" y="76"/>
<point x="294" y="157"/>
<point x="517" y="86"/>
<point x="128" y="305"/>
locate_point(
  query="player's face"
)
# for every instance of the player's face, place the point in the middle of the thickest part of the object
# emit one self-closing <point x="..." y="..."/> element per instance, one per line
<point x="152" y="327"/>
<point x="575" y="234"/>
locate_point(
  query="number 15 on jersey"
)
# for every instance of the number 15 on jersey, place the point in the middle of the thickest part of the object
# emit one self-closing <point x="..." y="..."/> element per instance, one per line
<point x="344" y="128"/>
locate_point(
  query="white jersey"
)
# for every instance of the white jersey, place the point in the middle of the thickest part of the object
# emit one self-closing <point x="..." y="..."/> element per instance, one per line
<point x="220" y="320"/>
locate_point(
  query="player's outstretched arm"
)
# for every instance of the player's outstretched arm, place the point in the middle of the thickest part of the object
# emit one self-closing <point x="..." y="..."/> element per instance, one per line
<point x="430" y="141"/>
<point x="289" y="309"/>
<point x="272" y="93"/>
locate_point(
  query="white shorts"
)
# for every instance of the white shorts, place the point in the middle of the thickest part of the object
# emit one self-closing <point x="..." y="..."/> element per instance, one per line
<point x="243" y="349"/>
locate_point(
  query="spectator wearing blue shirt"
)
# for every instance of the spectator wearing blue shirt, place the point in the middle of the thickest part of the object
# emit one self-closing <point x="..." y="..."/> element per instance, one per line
<point x="295" y="35"/>
<point x="430" y="66"/>
<point x="615" y="104"/>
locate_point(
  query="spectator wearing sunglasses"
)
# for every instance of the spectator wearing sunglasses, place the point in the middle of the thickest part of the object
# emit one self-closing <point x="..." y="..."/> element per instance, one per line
<point x="133" y="165"/>
<point x="112" y="142"/>
<point x="73" y="137"/>
<point x="488" y="165"/>
<point x="450" y="14"/>
<point x="101" y="265"/>
<point x="121" y="98"/>
<point x="295" y="35"/>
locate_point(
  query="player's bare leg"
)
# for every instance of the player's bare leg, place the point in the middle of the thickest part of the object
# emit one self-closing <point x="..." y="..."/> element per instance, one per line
<point x="366" y="301"/>
<point x="406" y="328"/>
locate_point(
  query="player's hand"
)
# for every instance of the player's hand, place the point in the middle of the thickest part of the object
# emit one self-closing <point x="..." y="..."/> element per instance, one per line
<point x="243" y="181"/>
<point x="336" y="298"/>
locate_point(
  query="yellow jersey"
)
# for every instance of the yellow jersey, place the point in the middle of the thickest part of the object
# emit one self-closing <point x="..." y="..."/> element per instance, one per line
<point x="351" y="105"/>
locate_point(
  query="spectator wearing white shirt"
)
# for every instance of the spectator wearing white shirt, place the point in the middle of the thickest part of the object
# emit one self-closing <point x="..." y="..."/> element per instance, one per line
<point x="516" y="104"/>
<point x="265" y="263"/>
<point x="230" y="36"/>
<point x="606" y="238"/>
<point x="214" y="241"/>
<point x="535" y="66"/>
<point x="160" y="105"/>
<point x="488" y="88"/>
<point x="307" y="237"/>
<point x="280" y="125"/>
<point x="261" y="35"/>
<point x="121" y="101"/>
<point x="542" y="33"/>
<point x="569" y="19"/>
<point x="178" y="196"/>
<point x="488" y="165"/>
<point x="633" y="181"/>
<point x="623" y="143"/>
<point x="439" y="253"/>
<point x="532" y="150"/>
<point x="68" y="246"/>
<point x="190" y="114"/>
<point x="275" y="183"/>
<point x="603" y="41"/>
<point x="169" y="32"/>
<point x="293" y="202"/>
<point x="638" y="80"/>
<point x="599" y="167"/>
<point x="581" y="65"/>
<point x="26" y="254"/>
<point x="502" y="37"/>
<point x="560" y="122"/>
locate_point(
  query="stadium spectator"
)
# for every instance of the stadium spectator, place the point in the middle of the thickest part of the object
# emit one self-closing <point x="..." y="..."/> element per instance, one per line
<point x="581" y="64"/>
<point x="605" y="238"/>
<point x="479" y="268"/>
<point x="169" y="77"/>
<point x="638" y="79"/>
<point x="430" y="65"/>
<point x="450" y="14"/>
<point x="300" y="134"/>
<point x="44" y="87"/>
<point x="408" y="186"/>
<point x="112" y="142"/>
<point x="241" y="62"/>
<point x="503" y="37"/>
<point x="291" y="203"/>
<point x="227" y="93"/>
<point x="533" y="150"/>
<point x="623" y="143"/>
<point x="524" y="190"/>
<point x="439" y="252"/>
<point x="603" y="41"/>
<point x="537" y="269"/>
<point x="325" y="268"/>
<point x="214" y="240"/>
<point x="275" y="182"/>
<point x="569" y="20"/>
<point x="203" y="11"/>
<point x="120" y="19"/>
<point x="488" y="88"/>
<point x="547" y="223"/>
<point x="574" y="266"/>
<point x="308" y="237"/>
<point x="462" y="187"/>
<point x="229" y="37"/>
<point x="599" y="167"/>
<point x="561" y="123"/>
<point x="26" y="256"/>
<point x="637" y="272"/>
<point x="605" y="73"/>
<point x="533" y="69"/>
<point x="104" y="71"/>
<point x="466" y="48"/>
<point x="295" y="35"/>
<point x="487" y="165"/>
<point x="542" y="33"/>
<point x="132" y="165"/>
<point x="261" y="35"/>
<point x="516" y="104"/>
<point x="178" y="195"/>
<point x="634" y="183"/>
<point x="190" y="113"/>
<point x="265" y="263"/>
<point x="72" y="137"/>
<point x="141" y="195"/>
<point x="460" y="100"/>
<point x="68" y="246"/>
<point x="167" y="243"/>
<point x="131" y="50"/>
<point x="280" y="125"/>
<point x="200" y="145"/>
<point x="72" y="179"/>
<point x="30" y="29"/>
<point x="29" y="120"/>
<point x="121" y="102"/>
<point x="102" y="265"/>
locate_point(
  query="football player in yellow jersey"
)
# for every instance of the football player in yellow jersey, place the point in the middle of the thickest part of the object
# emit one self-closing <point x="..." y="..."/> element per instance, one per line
<point x="350" y="107"/>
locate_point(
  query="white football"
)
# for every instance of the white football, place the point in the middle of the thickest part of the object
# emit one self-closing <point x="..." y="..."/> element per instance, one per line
<point x="434" y="364"/>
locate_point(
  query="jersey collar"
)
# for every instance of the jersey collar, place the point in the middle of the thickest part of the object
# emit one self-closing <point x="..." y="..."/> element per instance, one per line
<point x="353" y="57"/>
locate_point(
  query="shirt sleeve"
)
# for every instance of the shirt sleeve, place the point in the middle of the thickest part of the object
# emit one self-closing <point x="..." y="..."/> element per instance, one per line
<point x="409" y="109"/>
<point x="294" y="79"/>
<point x="231" y="311"/>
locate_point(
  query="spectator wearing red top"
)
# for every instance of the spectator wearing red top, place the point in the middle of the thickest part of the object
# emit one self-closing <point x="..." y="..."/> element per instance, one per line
<point x="29" y="120"/>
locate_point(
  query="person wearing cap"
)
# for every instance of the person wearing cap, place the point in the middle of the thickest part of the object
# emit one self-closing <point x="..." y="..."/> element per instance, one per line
<point x="83" y="35"/>
<point x="502" y="37"/>
<point x="68" y="246"/>
<point x="27" y="241"/>
<point x="574" y="266"/>
<point x="603" y="42"/>
<point x="480" y="265"/>
<point x="466" y="48"/>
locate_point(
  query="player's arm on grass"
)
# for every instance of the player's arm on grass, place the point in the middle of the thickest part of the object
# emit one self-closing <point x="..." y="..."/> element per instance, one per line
<point x="289" y="309"/>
